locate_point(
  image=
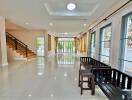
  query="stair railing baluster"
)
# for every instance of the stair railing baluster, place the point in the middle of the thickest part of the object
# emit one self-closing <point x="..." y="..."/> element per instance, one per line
<point x="26" y="50"/>
<point x="15" y="44"/>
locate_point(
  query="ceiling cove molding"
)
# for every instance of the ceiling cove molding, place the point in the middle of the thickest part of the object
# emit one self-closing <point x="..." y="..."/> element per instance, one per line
<point x="69" y="13"/>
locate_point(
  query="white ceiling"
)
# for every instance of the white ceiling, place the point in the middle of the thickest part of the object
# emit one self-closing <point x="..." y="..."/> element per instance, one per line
<point x="39" y="13"/>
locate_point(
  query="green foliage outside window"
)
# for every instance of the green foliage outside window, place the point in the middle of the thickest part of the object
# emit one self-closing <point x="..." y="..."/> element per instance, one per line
<point x="60" y="46"/>
<point x="70" y="45"/>
<point x="40" y="42"/>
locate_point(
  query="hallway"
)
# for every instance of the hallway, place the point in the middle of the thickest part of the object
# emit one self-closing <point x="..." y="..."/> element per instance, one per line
<point x="43" y="79"/>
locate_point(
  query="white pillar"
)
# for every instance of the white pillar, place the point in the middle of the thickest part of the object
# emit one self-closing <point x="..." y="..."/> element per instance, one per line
<point x="46" y="43"/>
<point x="97" y="35"/>
<point x="3" y="48"/>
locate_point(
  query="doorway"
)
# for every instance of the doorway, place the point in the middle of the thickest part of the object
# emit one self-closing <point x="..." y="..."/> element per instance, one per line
<point x="40" y="46"/>
<point x="66" y="45"/>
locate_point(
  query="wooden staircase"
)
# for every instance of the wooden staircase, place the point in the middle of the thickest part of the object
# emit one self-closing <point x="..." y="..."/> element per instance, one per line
<point x="19" y="46"/>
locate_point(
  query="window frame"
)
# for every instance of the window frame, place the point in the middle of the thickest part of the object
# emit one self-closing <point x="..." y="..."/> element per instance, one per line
<point x="93" y="33"/>
<point x="123" y="39"/>
<point x="100" y="42"/>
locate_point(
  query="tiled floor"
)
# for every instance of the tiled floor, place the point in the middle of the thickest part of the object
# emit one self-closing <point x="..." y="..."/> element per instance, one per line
<point x="44" y="79"/>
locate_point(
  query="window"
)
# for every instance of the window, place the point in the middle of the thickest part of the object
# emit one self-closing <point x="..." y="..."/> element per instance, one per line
<point x="92" y="45"/>
<point x="105" y="44"/>
<point x="49" y="42"/>
<point x="40" y="46"/>
<point x="126" y="44"/>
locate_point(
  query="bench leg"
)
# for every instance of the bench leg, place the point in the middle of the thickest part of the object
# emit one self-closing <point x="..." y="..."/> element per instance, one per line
<point x="81" y="84"/>
<point x="81" y="91"/>
<point x="79" y="79"/>
<point x="89" y="82"/>
<point x="93" y="92"/>
<point x="92" y="86"/>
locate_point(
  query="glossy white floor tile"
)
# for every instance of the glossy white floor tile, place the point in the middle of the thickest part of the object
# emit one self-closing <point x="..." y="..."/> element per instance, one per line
<point x="44" y="79"/>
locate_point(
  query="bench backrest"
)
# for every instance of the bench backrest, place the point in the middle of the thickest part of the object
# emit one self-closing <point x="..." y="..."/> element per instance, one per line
<point x="124" y="81"/>
<point x="85" y="59"/>
<point x="91" y="61"/>
<point x="114" y="76"/>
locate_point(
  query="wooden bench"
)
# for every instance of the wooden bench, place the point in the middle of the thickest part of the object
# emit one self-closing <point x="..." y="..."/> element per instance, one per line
<point x="89" y="62"/>
<point x="115" y="84"/>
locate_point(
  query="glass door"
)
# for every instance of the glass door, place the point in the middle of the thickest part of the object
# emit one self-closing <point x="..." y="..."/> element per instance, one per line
<point x="66" y="45"/>
<point x="40" y="46"/>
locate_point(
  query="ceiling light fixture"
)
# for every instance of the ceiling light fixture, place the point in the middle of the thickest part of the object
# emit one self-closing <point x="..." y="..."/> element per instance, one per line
<point x="71" y="6"/>
<point x="51" y="24"/>
<point x="26" y="23"/>
<point x="65" y="33"/>
<point x="51" y="95"/>
<point x="40" y="73"/>
<point x="84" y="25"/>
<point x="29" y="95"/>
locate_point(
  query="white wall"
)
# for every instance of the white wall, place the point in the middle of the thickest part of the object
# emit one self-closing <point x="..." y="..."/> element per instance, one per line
<point x="52" y="51"/>
<point x="116" y="21"/>
<point x="53" y="44"/>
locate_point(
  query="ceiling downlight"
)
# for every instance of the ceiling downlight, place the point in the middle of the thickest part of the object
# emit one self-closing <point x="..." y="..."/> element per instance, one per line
<point x="71" y="6"/>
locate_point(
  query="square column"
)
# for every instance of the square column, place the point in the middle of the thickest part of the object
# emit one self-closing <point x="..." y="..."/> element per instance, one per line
<point x="3" y="48"/>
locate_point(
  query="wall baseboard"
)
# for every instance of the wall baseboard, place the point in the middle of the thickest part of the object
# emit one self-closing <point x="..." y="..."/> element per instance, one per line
<point x="20" y="59"/>
<point x="5" y="64"/>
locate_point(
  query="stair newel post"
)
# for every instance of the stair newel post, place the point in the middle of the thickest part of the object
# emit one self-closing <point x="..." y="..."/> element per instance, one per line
<point x="26" y="50"/>
<point x="15" y="44"/>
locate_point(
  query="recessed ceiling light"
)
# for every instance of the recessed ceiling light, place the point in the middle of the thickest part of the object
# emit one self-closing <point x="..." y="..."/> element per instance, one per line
<point x="51" y="24"/>
<point x="40" y="73"/>
<point x="29" y="95"/>
<point x="54" y="78"/>
<point x="26" y="23"/>
<point x="71" y="6"/>
<point x="84" y="25"/>
<point x="51" y="95"/>
<point x="65" y="33"/>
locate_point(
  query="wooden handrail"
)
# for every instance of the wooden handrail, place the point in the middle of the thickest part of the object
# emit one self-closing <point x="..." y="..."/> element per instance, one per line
<point x="18" y="45"/>
<point x="8" y="34"/>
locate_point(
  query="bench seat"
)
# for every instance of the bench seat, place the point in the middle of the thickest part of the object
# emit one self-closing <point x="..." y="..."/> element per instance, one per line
<point x="109" y="90"/>
<point x="115" y="84"/>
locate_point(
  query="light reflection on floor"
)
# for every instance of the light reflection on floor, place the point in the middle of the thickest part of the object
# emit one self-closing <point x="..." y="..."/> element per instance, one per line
<point x="43" y="79"/>
<point x="40" y="66"/>
<point x="64" y="59"/>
